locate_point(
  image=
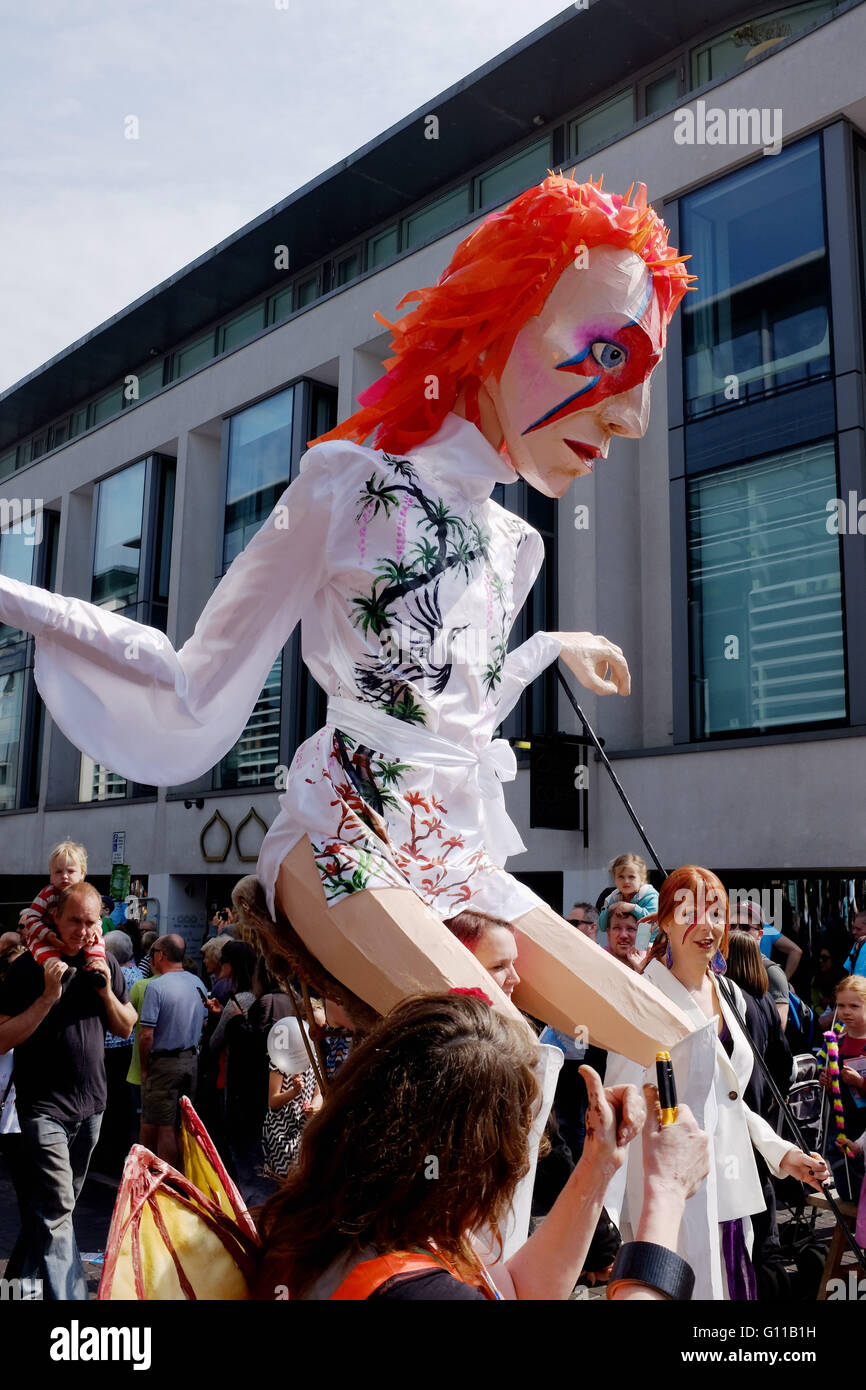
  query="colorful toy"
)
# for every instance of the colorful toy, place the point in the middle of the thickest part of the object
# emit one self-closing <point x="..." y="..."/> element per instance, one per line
<point x="836" y="1090"/>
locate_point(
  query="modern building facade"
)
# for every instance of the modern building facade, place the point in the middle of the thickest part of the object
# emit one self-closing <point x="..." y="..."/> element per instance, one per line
<point x="725" y="552"/>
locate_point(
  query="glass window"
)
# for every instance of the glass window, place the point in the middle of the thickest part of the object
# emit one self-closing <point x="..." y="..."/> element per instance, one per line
<point x="536" y="711"/>
<point x="58" y="434"/>
<point x="281" y="305"/>
<point x="260" y="458"/>
<point x="164" y="521"/>
<point x="96" y="783"/>
<point x="120" y="503"/>
<point x="349" y="268"/>
<point x="603" y="124"/>
<point x="381" y="248"/>
<point x="759" y="317"/>
<point x="107" y="406"/>
<point x="454" y="207"/>
<point x="260" y="453"/>
<point x="324" y="410"/>
<point x="260" y="466"/>
<point x="765" y="595"/>
<point x="242" y="328"/>
<point x="78" y="422"/>
<point x="38" y="447"/>
<point x="728" y="52"/>
<point x="12" y="686"/>
<point x="861" y="189"/>
<point x="17" y="552"/>
<point x="307" y="291"/>
<point x="662" y="93"/>
<point x="7" y="464"/>
<point x="512" y="176"/>
<point x="195" y="355"/>
<point x="256" y="755"/>
<point x="149" y="381"/>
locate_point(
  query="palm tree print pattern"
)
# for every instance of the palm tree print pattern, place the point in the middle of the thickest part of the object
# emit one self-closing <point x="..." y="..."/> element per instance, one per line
<point x="404" y="603"/>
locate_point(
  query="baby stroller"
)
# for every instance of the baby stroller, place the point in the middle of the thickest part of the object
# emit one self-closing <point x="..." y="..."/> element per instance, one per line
<point x="803" y="1245"/>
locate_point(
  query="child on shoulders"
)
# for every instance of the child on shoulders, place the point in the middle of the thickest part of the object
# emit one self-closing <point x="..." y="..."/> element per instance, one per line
<point x="67" y="865"/>
<point x="632" y="889"/>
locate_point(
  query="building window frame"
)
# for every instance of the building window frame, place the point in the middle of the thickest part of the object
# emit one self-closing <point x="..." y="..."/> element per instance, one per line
<point x="148" y="606"/>
<point x="495" y="165"/>
<point x="302" y="702"/>
<point x="629" y="90"/>
<point x="838" y="720"/>
<point x="536" y="712"/>
<point x="674" y="66"/>
<point x="19" y="656"/>
<point x="769" y="392"/>
<point x="836" y="420"/>
<point x="462" y="185"/>
<point x="347" y="254"/>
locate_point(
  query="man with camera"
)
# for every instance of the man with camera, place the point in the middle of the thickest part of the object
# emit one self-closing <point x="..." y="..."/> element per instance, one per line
<point x="58" y="1034"/>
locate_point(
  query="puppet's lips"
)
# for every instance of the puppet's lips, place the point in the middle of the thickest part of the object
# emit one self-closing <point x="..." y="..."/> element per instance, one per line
<point x="585" y="452"/>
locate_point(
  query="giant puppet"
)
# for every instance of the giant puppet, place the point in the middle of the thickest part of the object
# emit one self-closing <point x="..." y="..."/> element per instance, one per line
<point x="535" y="347"/>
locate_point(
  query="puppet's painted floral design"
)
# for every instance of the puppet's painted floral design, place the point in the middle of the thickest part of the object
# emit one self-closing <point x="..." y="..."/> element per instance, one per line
<point x="404" y="607"/>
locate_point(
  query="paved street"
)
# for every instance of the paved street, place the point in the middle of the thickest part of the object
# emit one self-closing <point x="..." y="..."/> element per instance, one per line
<point x="92" y="1220"/>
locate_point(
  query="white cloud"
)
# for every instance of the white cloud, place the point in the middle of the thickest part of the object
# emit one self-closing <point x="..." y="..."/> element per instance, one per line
<point x="238" y="104"/>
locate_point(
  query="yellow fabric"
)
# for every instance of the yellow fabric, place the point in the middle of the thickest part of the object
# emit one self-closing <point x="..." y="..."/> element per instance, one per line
<point x="204" y="1258"/>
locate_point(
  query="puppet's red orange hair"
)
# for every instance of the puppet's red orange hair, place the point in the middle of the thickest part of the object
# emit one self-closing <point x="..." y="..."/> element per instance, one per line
<point x="463" y="327"/>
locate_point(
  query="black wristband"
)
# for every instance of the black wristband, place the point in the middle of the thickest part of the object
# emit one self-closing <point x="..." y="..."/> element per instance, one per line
<point x="643" y="1263"/>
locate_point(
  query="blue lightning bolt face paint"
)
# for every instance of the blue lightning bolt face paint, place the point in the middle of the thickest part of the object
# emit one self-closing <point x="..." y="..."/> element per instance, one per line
<point x="579" y="372"/>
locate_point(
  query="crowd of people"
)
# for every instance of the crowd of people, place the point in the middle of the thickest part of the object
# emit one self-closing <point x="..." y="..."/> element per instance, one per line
<point x="104" y="1029"/>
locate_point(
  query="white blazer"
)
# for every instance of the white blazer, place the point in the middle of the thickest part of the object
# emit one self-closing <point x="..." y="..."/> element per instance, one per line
<point x="711" y="1084"/>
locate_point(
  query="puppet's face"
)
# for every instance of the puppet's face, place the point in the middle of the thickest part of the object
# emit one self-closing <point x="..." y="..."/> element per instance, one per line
<point x="579" y="371"/>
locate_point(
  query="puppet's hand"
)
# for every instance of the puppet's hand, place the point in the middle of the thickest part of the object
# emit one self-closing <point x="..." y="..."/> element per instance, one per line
<point x="589" y="658"/>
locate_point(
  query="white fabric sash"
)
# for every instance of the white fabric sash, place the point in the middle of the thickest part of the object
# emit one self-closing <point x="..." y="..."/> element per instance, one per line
<point x="486" y="769"/>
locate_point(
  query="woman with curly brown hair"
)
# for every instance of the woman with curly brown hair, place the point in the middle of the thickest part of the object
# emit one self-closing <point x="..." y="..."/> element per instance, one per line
<point x="421" y="1143"/>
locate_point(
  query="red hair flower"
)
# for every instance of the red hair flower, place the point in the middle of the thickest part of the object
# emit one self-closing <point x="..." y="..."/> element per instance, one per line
<point x="475" y="993"/>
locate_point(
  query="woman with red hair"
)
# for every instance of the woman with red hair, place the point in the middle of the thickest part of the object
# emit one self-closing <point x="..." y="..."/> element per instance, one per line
<point x="711" y="1070"/>
<point x="533" y="350"/>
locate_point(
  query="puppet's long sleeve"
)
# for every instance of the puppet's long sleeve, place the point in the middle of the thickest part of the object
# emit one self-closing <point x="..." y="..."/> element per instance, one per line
<point x="522" y="665"/>
<point x="119" y="691"/>
<point x="527" y="661"/>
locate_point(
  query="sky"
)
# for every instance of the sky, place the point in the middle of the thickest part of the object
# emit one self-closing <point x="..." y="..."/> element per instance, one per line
<point x="236" y="104"/>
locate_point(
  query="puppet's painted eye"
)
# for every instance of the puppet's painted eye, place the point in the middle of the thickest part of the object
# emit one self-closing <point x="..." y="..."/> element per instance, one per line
<point x="609" y="355"/>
